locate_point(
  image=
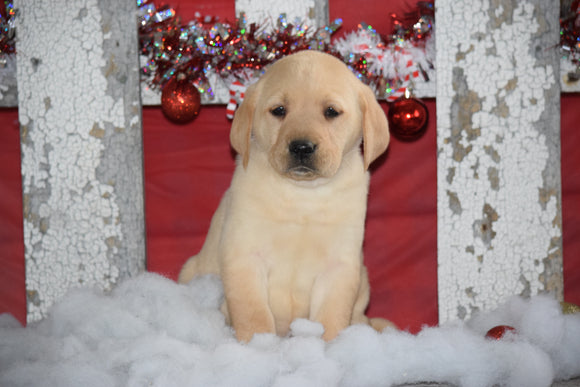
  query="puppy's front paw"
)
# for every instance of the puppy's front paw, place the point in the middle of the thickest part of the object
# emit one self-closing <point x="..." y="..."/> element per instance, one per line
<point x="380" y="324"/>
<point x="246" y="328"/>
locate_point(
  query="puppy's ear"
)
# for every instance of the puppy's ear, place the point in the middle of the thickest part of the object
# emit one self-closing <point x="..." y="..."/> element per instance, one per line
<point x="241" y="132"/>
<point x="375" y="126"/>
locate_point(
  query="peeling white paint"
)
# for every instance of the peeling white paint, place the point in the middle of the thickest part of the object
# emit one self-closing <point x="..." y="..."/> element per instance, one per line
<point x="492" y="155"/>
<point x="70" y="219"/>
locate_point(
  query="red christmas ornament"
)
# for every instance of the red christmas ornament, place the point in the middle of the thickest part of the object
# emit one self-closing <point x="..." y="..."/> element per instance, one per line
<point x="408" y="118"/>
<point x="499" y="332"/>
<point x="180" y="100"/>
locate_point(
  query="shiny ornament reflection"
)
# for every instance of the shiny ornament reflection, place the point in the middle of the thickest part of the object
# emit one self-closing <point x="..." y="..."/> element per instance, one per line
<point x="180" y="100"/>
<point x="408" y="118"/>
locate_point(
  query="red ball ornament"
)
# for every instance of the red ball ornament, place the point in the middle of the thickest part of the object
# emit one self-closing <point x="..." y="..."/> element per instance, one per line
<point x="180" y="100"/>
<point x="499" y="332"/>
<point x="408" y="118"/>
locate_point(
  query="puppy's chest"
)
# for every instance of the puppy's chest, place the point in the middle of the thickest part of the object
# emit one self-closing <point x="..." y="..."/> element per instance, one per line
<point x="311" y="247"/>
<point x="308" y="211"/>
<point x="306" y="226"/>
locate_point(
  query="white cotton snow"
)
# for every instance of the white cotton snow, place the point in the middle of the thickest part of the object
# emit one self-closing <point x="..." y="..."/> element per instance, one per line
<point x="150" y="331"/>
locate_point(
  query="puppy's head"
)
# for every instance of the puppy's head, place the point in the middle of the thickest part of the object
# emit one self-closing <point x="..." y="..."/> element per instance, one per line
<point x="306" y="113"/>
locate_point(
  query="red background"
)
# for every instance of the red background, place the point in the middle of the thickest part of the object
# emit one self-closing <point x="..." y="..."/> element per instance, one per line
<point x="188" y="167"/>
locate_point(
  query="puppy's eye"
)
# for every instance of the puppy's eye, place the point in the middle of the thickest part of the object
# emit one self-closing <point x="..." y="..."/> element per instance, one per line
<point x="279" y="111"/>
<point x="331" y="112"/>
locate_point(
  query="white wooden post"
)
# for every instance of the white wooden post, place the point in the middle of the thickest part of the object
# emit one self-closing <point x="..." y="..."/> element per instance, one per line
<point x="498" y="138"/>
<point x="80" y="116"/>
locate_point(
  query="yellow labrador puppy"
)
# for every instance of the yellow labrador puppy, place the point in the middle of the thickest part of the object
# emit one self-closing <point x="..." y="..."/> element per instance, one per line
<point x="287" y="237"/>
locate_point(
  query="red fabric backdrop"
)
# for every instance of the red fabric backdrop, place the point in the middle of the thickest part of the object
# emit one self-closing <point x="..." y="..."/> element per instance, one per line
<point x="187" y="169"/>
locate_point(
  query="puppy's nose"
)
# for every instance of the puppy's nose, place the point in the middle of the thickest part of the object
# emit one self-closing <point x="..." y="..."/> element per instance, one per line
<point x="301" y="149"/>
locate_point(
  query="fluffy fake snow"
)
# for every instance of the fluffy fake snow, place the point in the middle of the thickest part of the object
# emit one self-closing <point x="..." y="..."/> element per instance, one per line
<point x="151" y="331"/>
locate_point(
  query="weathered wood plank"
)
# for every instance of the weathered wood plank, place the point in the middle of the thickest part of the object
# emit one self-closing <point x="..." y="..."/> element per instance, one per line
<point x="499" y="205"/>
<point x="80" y="116"/>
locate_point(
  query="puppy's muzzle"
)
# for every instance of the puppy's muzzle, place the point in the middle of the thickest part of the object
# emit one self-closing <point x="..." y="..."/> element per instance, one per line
<point x="302" y="159"/>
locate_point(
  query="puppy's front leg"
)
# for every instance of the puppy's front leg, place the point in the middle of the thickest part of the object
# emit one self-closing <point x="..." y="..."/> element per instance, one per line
<point x="246" y="292"/>
<point x="333" y="297"/>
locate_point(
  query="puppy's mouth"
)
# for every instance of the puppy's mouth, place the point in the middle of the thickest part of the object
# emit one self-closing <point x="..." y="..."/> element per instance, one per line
<point x="302" y="172"/>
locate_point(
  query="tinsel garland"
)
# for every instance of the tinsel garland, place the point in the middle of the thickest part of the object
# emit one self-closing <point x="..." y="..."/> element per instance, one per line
<point x="240" y="51"/>
<point x="7" y="44"/>
<point x="7" y="28"/>
<point x="570" y="33"/>
<point x="196" y="49"/>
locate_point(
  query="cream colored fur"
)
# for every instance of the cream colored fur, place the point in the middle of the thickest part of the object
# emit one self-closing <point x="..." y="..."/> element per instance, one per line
<point x="287" y="237"/>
